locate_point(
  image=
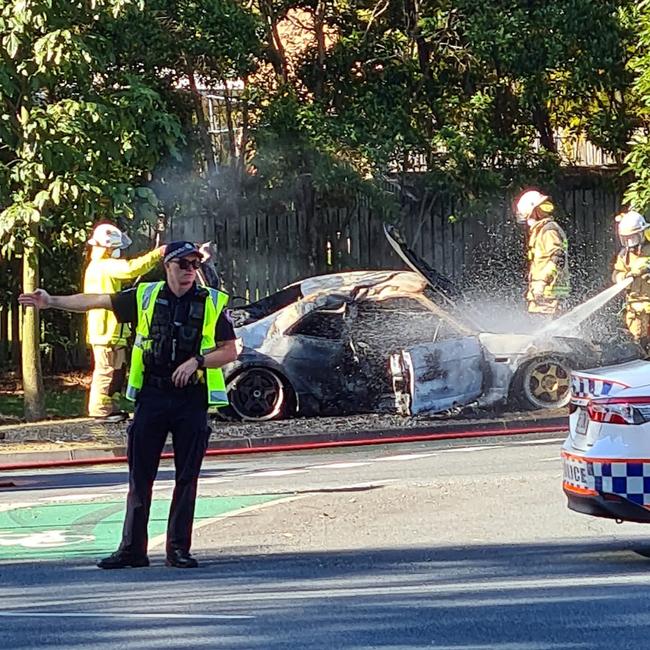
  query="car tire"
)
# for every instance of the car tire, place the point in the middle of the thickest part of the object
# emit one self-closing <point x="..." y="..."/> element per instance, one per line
<point x="257" y="395"/>
<point x="543" y="383"/>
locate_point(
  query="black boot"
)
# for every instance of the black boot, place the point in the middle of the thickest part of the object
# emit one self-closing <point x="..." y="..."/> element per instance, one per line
<point x="180" y="559"/>
<point x="122" y="559"/>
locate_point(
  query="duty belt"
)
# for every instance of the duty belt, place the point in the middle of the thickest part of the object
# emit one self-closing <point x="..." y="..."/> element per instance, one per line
<point x="166" y="383"/>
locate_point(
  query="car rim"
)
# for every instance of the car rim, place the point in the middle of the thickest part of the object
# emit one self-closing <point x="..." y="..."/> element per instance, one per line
<point x="547" y="383"/>
<point x="257" y="394"/>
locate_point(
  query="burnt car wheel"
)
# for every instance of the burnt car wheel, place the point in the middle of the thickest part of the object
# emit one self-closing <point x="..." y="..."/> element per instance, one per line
<point x="544" y="383"/>
<point x="258" y="394"/>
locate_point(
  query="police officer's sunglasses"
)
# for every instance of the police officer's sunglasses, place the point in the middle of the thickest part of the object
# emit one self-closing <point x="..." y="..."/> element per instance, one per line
<point x="186" y="265"/>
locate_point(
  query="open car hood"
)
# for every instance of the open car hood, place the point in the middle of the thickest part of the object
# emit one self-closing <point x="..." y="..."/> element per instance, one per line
<point x="443" y="291"/>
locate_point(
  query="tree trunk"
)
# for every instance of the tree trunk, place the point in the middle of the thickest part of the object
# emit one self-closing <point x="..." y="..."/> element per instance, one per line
<point x="274" y="47"/>
<point x="319" y="65"/>
<point x="80" y="348"/>
<point x="203" y="126"/>
<point x="412" y="11"/>
<point x="243" y="148"/>
<point x="542" y="123"/>
<point x="230" y="124"/>
<point x="31" y="358"/>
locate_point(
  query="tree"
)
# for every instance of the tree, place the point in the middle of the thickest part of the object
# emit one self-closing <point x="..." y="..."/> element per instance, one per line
<point x="637" y="194"/>
<point x="79" y="138"/>
<point x="474" y="93"/>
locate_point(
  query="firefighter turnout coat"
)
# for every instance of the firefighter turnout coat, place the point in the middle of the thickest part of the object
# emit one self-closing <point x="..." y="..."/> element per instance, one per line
<point x="637" y="298"/>
<point x="105" y="275"/>
<point x="548" y="271"/>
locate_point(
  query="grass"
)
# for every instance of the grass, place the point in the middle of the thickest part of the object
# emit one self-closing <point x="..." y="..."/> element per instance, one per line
<point x="59" y="403"/>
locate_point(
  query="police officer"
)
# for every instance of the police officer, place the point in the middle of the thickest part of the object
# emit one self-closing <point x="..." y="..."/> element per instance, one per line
<point x="104" y="274"/>
<point x="183" y="338"/>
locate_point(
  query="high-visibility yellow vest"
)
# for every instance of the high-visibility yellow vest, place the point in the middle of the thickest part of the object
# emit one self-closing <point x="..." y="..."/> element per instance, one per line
<point x="146" y="295"/>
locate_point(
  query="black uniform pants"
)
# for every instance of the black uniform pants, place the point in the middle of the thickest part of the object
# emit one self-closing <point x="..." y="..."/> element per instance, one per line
<point x="183" y="412"/>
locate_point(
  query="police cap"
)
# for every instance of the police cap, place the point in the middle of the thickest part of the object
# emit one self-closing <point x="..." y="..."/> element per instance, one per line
<point x="177" y="249"/>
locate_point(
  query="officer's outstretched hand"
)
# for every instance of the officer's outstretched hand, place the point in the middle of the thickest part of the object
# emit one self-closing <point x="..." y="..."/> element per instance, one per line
<point x="182" y="374"/>
<point x="40" y="299"/>
<point x="206" y="251"/>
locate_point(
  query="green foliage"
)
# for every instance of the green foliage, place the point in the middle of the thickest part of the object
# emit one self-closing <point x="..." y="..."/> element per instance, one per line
<point x="78" y="135"/>
<point x="190" y="46"/>
<point x="638" y="160"/>
<point x="472" y="92"/>
<point x="100" y="115"/>
<point x="216" y="40"/>
<point x="293" y="146"/>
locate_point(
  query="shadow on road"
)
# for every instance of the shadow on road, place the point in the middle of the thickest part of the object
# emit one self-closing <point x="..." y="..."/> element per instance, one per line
<point x="528" y="597"/>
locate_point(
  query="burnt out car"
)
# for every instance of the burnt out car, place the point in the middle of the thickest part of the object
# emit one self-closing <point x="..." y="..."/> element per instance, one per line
<point x="373" y="341"/>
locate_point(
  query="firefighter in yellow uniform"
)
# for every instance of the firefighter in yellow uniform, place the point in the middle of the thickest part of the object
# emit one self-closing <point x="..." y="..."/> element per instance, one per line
<point x="105" y="274"/>
<point x="548" y="270"/>
<point x="633" y="260"/>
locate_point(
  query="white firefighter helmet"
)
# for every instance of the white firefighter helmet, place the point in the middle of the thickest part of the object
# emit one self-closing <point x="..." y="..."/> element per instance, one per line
<point x="527" y="203"/>
<point x="631" y="228"/>
<point x="106" y="235"/>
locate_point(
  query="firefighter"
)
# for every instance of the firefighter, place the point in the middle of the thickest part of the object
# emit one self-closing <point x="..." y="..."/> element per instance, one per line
<point x="105" y="273"/>
<point x="183" y="338"/>
<point x="548" y="270"/>
<point x="633" y="260"/>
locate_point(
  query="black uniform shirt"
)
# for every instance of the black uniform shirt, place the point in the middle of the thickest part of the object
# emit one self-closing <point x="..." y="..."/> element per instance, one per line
<point x="125" y="308"/>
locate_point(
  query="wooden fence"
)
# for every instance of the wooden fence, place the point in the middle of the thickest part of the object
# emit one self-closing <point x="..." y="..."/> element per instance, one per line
<point x="262" y="253"/>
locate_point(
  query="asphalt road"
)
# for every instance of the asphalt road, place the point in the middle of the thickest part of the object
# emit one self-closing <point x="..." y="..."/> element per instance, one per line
<point x="448" y="545"/>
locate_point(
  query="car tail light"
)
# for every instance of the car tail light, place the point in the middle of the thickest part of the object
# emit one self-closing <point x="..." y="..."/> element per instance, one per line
<point x="631" y="410"/>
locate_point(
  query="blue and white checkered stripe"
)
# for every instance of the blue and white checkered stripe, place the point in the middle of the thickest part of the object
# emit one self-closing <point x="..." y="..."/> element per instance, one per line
<point x="583" y="387"/>
<point x="628" y="480"/>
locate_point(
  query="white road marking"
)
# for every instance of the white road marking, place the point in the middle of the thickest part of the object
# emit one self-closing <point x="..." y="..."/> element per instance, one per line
<point x="6" y="507"/>
<point x="339" y="465"/>
<point x="46" y="539"/>
<point x="405" y="456"/>
<point x="277" y="472"/>
<point x="473" y="448"/>
<point x="74" y="497"/>
<point x="552" y="458"/>
<point x="159" y="540"/>
<point x="139" y="615"/>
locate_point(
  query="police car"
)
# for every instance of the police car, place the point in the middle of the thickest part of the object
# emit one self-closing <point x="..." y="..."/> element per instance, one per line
<point x="606" y="456"/>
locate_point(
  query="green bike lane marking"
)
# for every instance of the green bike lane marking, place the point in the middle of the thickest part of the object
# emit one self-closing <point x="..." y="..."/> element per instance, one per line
<point x="57" y="531"/>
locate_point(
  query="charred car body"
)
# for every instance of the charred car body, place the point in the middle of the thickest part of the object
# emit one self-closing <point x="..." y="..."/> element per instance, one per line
<point x="372" y="341"/>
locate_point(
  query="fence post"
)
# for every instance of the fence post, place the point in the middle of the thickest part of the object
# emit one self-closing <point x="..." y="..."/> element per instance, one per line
<point x="15" y="333"/>
<point x="4" y="335"/>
